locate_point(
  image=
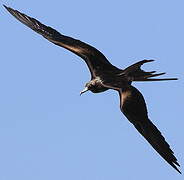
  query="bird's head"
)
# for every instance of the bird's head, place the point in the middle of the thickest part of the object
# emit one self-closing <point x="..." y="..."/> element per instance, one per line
<point x="94" y="86"/>
<point x="88" y="87"/>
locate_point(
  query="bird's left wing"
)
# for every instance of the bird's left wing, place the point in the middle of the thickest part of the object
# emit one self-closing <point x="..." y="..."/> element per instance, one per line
<point x="133" y="106"/>
<point x="95" y="60"/>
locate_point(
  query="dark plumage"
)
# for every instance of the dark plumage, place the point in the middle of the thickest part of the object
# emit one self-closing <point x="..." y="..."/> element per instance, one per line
<point x="105" y="76"/>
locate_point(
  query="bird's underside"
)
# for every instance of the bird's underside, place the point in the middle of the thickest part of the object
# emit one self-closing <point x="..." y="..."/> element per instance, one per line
<point x="105" y="76"/>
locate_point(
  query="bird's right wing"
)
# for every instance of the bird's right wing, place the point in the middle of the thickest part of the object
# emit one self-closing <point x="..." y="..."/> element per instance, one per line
<point x="133" y="106"/>
<point x="95" y="60"/>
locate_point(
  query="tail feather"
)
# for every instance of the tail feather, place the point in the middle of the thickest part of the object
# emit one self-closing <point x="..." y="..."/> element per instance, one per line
<point x="135" y="73"/>
<point x="153" y="75"/>
<point x="164" y="79"/>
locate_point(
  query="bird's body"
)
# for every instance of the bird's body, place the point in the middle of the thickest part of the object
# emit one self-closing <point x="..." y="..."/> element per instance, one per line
<point x="105" y="76"/>
<point x="100" y="83"/>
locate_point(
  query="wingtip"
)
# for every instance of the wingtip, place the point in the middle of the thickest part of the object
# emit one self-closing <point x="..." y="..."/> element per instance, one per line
<point x="5" y="6"/>
<point x="175" y="165"/>
<point x="176" y="168"/>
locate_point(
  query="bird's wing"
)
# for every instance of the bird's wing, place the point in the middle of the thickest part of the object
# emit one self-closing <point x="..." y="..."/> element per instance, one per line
<point x="95" y="60"/>
<point x="133" y="106"/>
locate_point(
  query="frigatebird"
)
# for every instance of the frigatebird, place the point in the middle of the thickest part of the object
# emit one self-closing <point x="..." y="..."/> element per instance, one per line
<point x="105" y="76"/>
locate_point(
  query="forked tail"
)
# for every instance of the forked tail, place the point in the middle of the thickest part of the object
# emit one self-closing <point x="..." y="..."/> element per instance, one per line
<point x="135" y="73"/>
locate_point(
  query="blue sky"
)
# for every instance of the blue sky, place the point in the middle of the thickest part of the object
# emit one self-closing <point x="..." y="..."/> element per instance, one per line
<point x="47" y="131"/>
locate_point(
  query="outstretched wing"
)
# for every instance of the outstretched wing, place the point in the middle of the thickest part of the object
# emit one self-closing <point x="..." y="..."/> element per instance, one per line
<point x="95" y="60"/>
<point x="133" y="106"/>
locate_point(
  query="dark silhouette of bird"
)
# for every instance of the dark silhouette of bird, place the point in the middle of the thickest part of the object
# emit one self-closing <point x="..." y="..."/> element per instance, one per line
<point x="105" y="76"/>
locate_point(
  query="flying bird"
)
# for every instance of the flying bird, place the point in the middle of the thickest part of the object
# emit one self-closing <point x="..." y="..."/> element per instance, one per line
<point x="105" y="76"/>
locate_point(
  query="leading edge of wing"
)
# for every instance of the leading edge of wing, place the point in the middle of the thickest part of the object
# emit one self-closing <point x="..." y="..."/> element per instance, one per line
<point x="93" y="57"/>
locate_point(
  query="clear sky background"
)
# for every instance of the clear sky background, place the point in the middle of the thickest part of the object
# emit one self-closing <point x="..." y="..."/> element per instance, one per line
<point x="47" y="131"/>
